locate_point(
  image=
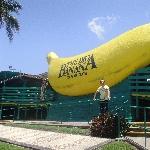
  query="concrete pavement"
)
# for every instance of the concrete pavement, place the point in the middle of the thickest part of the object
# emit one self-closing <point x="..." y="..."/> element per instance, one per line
<point x="48" y="140"/>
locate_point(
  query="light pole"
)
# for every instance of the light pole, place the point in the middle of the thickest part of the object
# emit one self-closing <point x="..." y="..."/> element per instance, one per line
<point x="4" y="77"/>
<point x="11" y="68"/>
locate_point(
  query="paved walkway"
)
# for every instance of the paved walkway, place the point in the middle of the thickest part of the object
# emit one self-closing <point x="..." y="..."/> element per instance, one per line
<point x="48" y="140"/>
<point x="141" y="141"/>
<point x="56" y="141"/>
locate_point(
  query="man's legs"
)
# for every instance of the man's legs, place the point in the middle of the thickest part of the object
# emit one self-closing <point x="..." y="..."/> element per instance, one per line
<point x="106" y="106"/>
<point x="103" y="107"/>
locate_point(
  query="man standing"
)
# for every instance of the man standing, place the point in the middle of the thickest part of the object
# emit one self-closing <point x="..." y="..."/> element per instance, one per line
<point x="104" y="96"/>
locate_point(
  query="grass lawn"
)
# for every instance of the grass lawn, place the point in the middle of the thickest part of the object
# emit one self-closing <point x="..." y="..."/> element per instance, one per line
<point x="58" y="129"/>
<point x="118" y="145"/>
<point x="6" y="146"/>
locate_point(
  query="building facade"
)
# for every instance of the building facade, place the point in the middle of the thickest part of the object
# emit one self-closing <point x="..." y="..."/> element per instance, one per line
<point x="30" y="97"/>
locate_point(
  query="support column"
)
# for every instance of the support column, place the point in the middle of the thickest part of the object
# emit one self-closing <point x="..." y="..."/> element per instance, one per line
<point x="137" y="109"/>
<point x="25" y="113"/>
<point x="47" y="111"/>
<point x="41" y="113"/>
<point x="1" y="112"/>
<point x="36" y="113"/>
<point x="18" y="112"/>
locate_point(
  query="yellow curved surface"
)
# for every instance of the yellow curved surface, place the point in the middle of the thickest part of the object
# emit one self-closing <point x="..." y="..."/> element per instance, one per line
<point x="113" y="62"/>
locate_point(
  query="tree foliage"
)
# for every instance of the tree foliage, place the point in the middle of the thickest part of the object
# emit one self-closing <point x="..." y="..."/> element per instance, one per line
<point x="8" y="8"/>
<point x="108" y="125"/>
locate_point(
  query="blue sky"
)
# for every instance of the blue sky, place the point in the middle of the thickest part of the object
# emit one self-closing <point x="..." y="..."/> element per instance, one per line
<point x="68" y="28"/>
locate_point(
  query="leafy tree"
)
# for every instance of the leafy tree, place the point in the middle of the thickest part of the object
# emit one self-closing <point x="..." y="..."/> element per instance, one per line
<point x="8" y="8"/>
<point x="108" y="125"/>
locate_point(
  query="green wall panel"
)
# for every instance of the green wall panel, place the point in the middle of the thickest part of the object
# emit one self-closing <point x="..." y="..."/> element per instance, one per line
<point x="83" y="108"/>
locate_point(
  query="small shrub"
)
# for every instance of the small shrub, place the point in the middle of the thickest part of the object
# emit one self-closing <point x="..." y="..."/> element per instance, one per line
<point x="108" y="125"/>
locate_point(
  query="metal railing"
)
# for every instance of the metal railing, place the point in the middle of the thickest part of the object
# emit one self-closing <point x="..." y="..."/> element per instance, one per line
<point x="146" y="128"/>
<point x="83" y="110"/>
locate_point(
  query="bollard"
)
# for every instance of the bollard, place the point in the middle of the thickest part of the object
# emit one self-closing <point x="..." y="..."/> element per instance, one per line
<point x="118" y="126"/>
<point x="145" y="125"/>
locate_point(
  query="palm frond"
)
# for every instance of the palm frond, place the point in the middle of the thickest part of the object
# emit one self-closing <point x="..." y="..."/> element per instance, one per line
<point x="7" y="9"/>
<point x="10" y="6"/>
<point x="12" y="26"/>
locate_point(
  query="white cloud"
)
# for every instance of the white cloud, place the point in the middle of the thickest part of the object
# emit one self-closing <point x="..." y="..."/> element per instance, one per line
<point x="98" y="25"/>
<point x="112" y="19"/>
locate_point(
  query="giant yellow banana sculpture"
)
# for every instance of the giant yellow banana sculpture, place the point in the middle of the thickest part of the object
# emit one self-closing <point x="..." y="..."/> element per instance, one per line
<point x="113" y="62"/>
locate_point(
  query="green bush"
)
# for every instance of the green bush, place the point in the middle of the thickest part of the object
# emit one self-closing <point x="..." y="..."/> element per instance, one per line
<point x="108" y="125"/>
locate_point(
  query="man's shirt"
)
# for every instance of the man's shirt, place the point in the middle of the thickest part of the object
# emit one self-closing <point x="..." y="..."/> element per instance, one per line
<point x="104" y="92"/>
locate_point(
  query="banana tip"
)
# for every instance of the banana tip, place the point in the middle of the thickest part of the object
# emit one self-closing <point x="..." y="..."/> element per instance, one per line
<point x="51" y="56"/>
